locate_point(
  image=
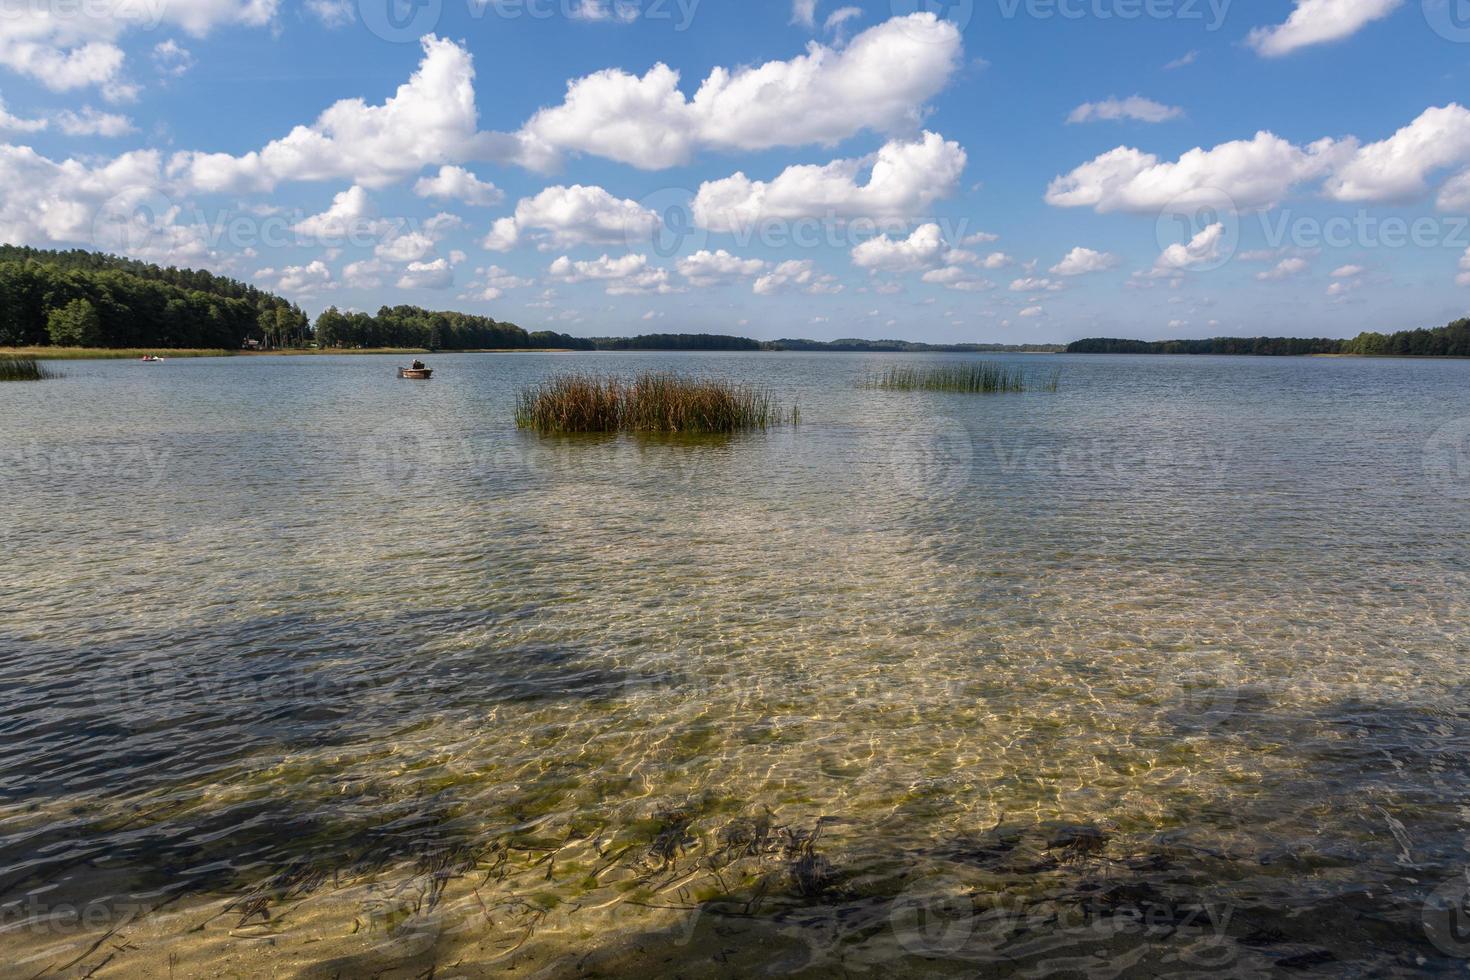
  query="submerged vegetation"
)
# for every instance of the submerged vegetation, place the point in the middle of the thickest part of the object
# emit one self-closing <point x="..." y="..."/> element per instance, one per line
<point x="982" y="377"/>
<point x="22" y="368"/>
<point x="651" y="402"/>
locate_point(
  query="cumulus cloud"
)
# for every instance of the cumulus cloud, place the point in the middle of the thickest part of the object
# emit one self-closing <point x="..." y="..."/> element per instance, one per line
<point x="349" y="214"/>
<point x="1285" y="269"/>
<point x="1083" y="261"/>
<point x="630" y="275"/>
<point x="458" y="184"/>
<point x="75" y="45"/>
<point x="1348" y="272"/>
<point x="1201" y="250"/>
<point x="1319" y="22"/>
<point x="171" y="59"/>
<point x="565" y="217"/>
<point x="1398" y="168"/>
<point x="438" y="274"/>
<point x="1134" y="107"/>
<point x="705" y="268"/>
<point x="797" y="275"/>
<point x="1254" y="173"/>
<point x="15" y="124"/>
<point x="804" y="13"/>
<point x="924" y="249"/>
<point x="492" y="282"/>
<point x="903" y="180"/>
<point x="1034" y="284"/>
<point x="880" y="81"/>
<point x="297" y="279"/>
<point x="429" y="121"/>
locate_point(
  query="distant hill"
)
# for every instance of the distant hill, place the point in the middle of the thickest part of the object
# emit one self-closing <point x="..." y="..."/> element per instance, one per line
<point x="89" y="299"/>
<point x="1452" y="340"/>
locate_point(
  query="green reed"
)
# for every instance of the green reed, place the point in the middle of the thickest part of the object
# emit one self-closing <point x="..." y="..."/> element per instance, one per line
<point x="651" y="402"/>
<point x="22" y="369"/>
<point x="981" y="377"/>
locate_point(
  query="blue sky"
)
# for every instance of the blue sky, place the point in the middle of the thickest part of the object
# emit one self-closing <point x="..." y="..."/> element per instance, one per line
<point x="1003" y="170"/>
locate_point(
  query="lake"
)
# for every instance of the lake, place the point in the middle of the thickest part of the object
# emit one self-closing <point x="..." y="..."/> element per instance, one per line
<point x="310" y="671"/>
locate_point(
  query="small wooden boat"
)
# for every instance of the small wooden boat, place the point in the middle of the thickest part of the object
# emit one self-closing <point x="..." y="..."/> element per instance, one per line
<point x="416" y="374"/>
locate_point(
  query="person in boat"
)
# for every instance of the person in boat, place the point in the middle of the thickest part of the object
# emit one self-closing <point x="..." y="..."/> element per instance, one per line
<point x="418" y="365"/>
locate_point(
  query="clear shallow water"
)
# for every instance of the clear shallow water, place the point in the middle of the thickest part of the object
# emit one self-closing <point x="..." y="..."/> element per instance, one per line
<point x="313" y="671"/>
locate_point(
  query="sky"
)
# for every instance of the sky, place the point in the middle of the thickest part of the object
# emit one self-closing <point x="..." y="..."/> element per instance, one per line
<point x="1015" y="171"/>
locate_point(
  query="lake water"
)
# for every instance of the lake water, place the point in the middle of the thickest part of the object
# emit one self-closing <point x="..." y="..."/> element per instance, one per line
<point x="309" y="671"/>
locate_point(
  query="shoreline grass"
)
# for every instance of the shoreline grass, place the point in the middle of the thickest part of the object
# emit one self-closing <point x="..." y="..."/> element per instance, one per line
<point x="23" y="368"/>
<point x="983" y="377"/>
<point x="106" y="353"/>
<point x="652" y="402"/>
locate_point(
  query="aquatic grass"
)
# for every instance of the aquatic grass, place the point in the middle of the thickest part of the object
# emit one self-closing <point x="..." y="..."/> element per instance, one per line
<point x="981" y="377"/>
<point x="652" y="402"/>
<point x="26" y="368"/>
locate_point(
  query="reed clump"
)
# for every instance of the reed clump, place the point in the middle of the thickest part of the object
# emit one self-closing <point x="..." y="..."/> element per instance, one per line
<point x="22" y="368"/>
<point x="650" y="402"/>
<point x="982" y="377"/>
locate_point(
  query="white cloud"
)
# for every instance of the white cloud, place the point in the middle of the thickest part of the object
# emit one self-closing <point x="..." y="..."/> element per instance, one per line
<point x="1083" y="261"/>
<point x="407" y="246"/>
<point x="1285" y="269"/>
<point x="804" y="12"/>
<point x="1398" y="168"/>
<point x="1348" y="272"/>
<point x="367" y="274"/>
<point x="630" y="275"/>
<point x="429" y="121"/>
<point x="92" y="122"/>
<point x="797" y="275"/>
<point x="1182" y="61"/>
<point x="503" y="236"/>
<point x="904" y="179"/>
<point x="979" y="238"/>
<point x="1455" y="194"/>
<point x="74" y="45"/>
<point x="880" y="81"/>
<point x="957" y="278"/>
<point x="705" y="268"/>
<point x="349" y="214"/>
<point x="17" y="125"/>
<point x="1202" y="249"/>
<point x="438" y="274"/>
<point x="170" y="59"/>
<point x="924" y="249"/>
<point x="1134" y="107"/>
<point x="565" y="217"/>
<point x="1031" y="312"/>
<point x="491" y="283"/>
<point x="1033" y="284"/>
<point x="841" y="16"/>
<point x="1254" y="173"/>
<point x="1319" y="22"/>
<point x="332" y="13"/>
<point x="458" y="184"/>
<point x="604" y="11"/>
<point x="297" y="279"/>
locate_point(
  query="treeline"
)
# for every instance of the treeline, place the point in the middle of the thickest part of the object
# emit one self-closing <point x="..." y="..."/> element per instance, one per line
<point x="411" y="326"/>
<point x="1264" y="346"/>
<point x="1452" y="340"/>
<point x="677" y="341"/>
<point x="87" y="299"/>
<point x="852" y="345"/>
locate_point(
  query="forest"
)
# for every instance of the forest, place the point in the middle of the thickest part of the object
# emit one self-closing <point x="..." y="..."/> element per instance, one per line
<point x="1452" y="340"/>
<point x="412" y="326"/>
<point x="86" y="299"/>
